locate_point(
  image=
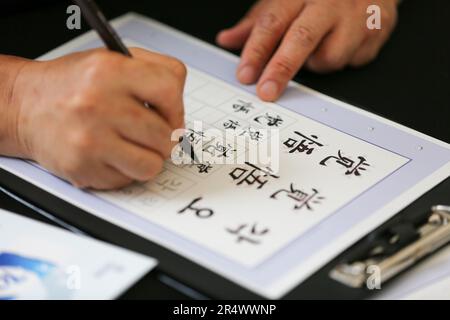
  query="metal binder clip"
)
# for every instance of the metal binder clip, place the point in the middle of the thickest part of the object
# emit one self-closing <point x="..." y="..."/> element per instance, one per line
<point x="431" y="235"/>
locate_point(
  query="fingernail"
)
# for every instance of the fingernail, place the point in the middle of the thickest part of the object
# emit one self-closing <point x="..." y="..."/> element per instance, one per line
<point x="269" y="90"/>
<point x="247" y="74"/>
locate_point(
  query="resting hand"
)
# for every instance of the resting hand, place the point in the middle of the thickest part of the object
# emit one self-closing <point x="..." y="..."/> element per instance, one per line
<point x="279" y="37"/>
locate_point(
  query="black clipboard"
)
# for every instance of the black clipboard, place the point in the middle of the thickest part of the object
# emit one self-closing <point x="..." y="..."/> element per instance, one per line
<point x="194" y="280"/>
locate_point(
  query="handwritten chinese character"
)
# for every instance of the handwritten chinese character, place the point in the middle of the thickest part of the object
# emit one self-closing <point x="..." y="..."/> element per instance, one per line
<point x="243" y="106"/>
<point x="302" y="199"/>
<point x="348" y="163"/>
<point x="203" y="213"/>
<point x="231" y="124"/>
<point x="252" y="175"/>
<point x="271" y="121"/>
<point x="204" y="167"/>
<point x="219" y="150"/>
<point x="201" y="167"/>
<point x="303" y="143"/>
<point x="253" y="133"/>
<point x="169" y="184"/>
<point x="195" y="137"/>
<point x="248" y="233"/>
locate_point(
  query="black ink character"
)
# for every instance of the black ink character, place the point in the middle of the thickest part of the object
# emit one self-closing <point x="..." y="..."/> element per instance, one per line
<point x="204" y="167"/>
<point x="243" y="106"/>
<point x="348" y="163"/>
<point x="231" y="124"/>
<point x="302" y="144"/>
<point x="195" y="137"/>
<point x="169" y="184"/>
<point x="248" y="233"/>
<point x="203" y="213"/>
<point x="303" y="199"/>
<point x="253" y="133"/>
<point x="252" y="175"/>
<point x="219" y="150"/>
<point x="271" y="121"/>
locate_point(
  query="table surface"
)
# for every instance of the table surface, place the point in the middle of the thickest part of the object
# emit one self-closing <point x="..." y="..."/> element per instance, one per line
<point x="408" y="83"/>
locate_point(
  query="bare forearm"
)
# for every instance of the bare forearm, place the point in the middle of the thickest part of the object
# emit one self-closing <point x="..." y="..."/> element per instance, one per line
<point x="10" y="68"/>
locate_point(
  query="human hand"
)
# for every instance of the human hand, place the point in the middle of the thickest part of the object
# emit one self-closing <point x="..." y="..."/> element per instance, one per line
<point x="323" y="35"/>
<point x="82" y="116"/>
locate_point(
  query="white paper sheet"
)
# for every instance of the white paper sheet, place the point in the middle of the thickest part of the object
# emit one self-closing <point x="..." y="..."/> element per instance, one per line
<point x="38" y="261"/>
<point x="267" y="212"/>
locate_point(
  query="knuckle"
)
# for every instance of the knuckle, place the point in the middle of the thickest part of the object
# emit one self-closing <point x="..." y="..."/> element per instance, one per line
<point x="85" y="101"/>
<point x="100" y="64"/>
<point x="83" y="143"/>
<point x="258" y="51"/>
<point x="333" y="61"/>
<point x="304" y="35"/>
<point x="270" y="22"/>
<point x="285" y="66"/>
<point x="179" y="69"/>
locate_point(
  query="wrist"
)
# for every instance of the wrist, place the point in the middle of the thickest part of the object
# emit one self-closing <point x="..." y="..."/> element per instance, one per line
<point x="11" y="142"/>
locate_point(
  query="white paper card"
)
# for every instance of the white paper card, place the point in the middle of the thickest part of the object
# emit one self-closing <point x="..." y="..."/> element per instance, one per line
<point x="38" y="261"/>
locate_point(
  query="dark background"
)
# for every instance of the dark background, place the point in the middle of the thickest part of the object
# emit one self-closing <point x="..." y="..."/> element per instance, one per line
<point x="408" y="83"/>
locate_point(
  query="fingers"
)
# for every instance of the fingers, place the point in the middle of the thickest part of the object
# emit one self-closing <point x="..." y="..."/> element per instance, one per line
<point x="352" y="43"/>
<point x="159" y="80"/>
<point x="154" y="79"/>
<point x="82" y="165"/>
<point x="269" y="28"/>
<point x="325" y="35"/>
<point x="337" y="49"/>
<point x="161" y="89"/>
<point x="143" y="127"/>
<point x="235" y="38"/>
<point x="163" y="60"/>
<point x="89" y="151"/>
<point x="365" y="54"/>
<point x="370" y="48"/>
<point x="104" y="177"/>
<point x="300" y="41"/>
<point x="133" y="161"/>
